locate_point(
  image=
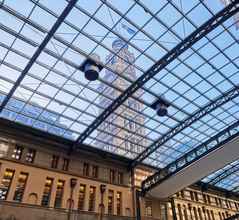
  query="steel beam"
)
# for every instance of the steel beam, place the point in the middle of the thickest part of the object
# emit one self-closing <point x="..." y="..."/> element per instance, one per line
<point x="198" y="34"/>
<point x="192" y="156"/>
<point x="233" y="93"/>
<point x="41" y="47"/>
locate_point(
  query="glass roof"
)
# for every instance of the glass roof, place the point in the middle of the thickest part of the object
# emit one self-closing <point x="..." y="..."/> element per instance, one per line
<point x="128" y="37"/>
<point x="230" y="180"/>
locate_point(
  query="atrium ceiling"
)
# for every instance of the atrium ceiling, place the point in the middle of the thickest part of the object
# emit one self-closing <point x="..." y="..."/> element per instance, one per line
<point x="43" y="44"/>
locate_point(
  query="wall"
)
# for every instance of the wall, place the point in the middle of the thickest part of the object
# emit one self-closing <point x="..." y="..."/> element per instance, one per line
<point x="36" y="182"/>
<point x="14" y="211"/>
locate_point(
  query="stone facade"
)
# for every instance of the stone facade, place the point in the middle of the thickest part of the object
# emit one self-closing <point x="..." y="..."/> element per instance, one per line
<point x="16" y="211"/>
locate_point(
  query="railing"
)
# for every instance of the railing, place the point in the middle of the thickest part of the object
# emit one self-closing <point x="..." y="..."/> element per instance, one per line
<point x="187" y="159"/>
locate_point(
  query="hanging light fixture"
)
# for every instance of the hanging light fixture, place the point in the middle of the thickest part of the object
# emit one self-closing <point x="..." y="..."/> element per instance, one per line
<point x="91" y="67"/>
<point x="161" y="107"/>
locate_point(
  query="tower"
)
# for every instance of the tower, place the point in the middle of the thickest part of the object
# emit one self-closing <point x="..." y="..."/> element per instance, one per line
<point x="129" y="126"/>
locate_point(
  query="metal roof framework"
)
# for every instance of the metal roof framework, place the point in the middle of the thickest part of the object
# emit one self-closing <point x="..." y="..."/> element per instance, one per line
<point x="191" y="59"/>
<point x="189" y="158"/>
<point x="226" y="178"/>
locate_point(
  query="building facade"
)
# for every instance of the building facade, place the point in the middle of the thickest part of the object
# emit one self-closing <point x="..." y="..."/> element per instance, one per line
<point x="130" y="139"/>
<point x="39" y="180"/>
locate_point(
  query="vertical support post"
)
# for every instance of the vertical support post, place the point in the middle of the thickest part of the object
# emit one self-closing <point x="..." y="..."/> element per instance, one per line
<point x="133" y="192"/>
<point x="102" y="206"/>
<point x="173" y="209"/>
<point x="73" y="182"/>
<point x="138" y="210"/>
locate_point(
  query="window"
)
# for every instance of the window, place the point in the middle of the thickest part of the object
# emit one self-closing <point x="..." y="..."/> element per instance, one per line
<point x="180" y="212"/>
<point x="30" y="155"/>
<point x="185" y="212"/>
<point x="119" y="203"/>
<point x="120" y="178"/>
<point x="59" y="193"/>
<point x="92" y="198"/>
<point x="230" y="204"/>
<point x="208" y="199"/>
<point x="47" y="192"/>
<point x="3" y="149"/>
<point x="195" y="213"/>
<point x="54" y="161"/>
<point x="212" y="214"/>
<point x="17" y="153"/>
<point x="227" y="215"/>
<point x="208" y="215"/>
<point x="81" y="201"/>
<point x="95" y="171"/>
<point x="220" y="202"/>
<point x="21" y="184"/>
<point x="236" y="206"/>
<point x="220" y="216"/>
<point x="148" y="208"/>
<point x="86" y="169"/>
<point x="192" y="195"/>
<point x="223" y="215"/>
<point x="200" y="214"/>
<point x="182" y="194"/>
<point x="196" y="196"/>
<point x="112" y="176"/>
<point x="65" y="165"/>
<point x="205" y="198"/>
<point x="163" y="211"/>
<point x="6" y="183"/>
<point x="111" y="202"/>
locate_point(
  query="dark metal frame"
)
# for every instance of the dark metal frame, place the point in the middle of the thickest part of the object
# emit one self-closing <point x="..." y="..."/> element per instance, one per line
<point x="202" y="150"/>
<point x="230" y="95"/>
<point x="211" y="24"/>
<point x="41" y="47"/>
